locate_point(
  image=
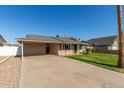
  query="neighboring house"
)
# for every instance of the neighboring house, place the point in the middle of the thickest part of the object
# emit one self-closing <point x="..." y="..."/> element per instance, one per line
<point x="4" y="43"/>
<point x="87" y="44"/>
<point x="2" y="40"/>
<point x="104" y="44"/>
<point x="7" y="49"/>
<point x="38" y="45"/>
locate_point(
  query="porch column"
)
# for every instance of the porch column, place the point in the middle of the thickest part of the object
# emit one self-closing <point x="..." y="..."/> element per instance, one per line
<point x="61" y="46"/>
<point x="22" y="50"/>
<point x="78" y="48"/>
<point x="71" y="49"/>
<point x="70" y="46"/>
<point x="61" y="50"/>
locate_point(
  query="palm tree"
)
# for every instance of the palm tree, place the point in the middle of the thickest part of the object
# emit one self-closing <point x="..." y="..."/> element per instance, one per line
<point x="121" y="38"/>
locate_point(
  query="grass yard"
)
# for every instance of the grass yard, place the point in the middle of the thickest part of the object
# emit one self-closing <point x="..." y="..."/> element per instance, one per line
<point x="104" y="60"/>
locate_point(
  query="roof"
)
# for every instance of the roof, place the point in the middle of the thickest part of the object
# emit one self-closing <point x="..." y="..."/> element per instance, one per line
<point x="49" y="39"/>
<point x="108" y="41"/>
<point x="2" y="40"/>
<point x="86" y="43"/>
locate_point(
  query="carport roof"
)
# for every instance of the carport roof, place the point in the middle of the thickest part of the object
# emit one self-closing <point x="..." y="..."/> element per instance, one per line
<point x="49" y="39"/>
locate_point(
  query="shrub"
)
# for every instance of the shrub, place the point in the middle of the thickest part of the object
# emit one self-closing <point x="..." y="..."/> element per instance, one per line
<point x="88" y="50"/>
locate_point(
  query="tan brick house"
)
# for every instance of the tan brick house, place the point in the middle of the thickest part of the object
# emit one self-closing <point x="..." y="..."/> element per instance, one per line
<point x="40" y="45"/>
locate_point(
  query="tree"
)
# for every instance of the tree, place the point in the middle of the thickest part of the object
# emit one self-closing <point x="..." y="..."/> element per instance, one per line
<point x="120" y="37"/>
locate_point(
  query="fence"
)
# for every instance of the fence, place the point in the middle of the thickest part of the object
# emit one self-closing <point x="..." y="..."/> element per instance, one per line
<point x="10" y="50"/>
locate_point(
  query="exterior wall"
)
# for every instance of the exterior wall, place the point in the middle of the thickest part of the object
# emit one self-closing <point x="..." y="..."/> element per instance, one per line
<point x="108" y="49"/>
<point x="71" y="51"/>
<point x="34" y="49"/>
<point x="100" y="48"/>
<point x="40" y="49"/>
<point x="66" y="52"/>
<point x="54" y="48"/>
<point x="1" y="44"/>
<point x="115" y="42"/>
<point x="115" y="48"/>
<point x="114" y="45"/>
<point x="10" y="51"/>
<point x="81" y="51"/>
<point x="105" y="49"/>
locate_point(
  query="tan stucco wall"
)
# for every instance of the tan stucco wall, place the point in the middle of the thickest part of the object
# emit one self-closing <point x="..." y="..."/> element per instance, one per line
<point x="34" y="49"/>
<point x="40" y="49"/>
<point x="70" y="52"/>
<point x="54" y="48"/>
<point x="66" y="52"/>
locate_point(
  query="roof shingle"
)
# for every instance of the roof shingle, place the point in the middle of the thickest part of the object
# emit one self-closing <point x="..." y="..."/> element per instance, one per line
<point x="39" y="38"/>
<point x="103" y="41"/>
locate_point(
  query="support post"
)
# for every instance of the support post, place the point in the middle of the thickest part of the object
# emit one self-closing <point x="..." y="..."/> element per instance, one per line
<point x="22" y="51"/>
<point x="61" y="51"/>
<point x="78" y="49"/>
<point x="61" y="46"/>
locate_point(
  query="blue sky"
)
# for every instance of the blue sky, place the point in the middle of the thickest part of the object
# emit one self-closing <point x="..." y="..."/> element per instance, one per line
<point x="84" y="22"/>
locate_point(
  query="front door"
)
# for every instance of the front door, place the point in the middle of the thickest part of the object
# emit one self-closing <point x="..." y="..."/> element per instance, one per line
<point x="47" y="50"/>
<point x="75" y="48"/>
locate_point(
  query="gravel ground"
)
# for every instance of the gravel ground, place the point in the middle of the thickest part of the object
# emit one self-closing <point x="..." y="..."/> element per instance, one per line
<point x="10" y="73"/>
<point x="1" y="58"/>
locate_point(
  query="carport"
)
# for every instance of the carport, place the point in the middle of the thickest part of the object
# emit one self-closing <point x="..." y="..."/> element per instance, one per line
<point x="40" y="45"/>
<point x="30" y="48"/>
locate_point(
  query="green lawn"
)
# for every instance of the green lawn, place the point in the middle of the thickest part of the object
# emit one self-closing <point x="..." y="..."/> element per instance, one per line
<point x="108" y="61"/>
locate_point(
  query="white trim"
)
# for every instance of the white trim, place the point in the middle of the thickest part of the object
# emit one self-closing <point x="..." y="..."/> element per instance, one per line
<point x="37" y="41"/>
<point x="46" y="42"/>
<point x="61" y="46"/>
<point x="22" y="51"/>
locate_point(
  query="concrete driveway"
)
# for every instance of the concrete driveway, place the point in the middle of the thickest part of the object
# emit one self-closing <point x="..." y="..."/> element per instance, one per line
<point x="49" y="71"/>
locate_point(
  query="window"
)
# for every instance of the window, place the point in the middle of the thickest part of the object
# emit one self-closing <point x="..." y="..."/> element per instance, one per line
<point x="66" y="46"/>
<point x="82" y="47"/>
